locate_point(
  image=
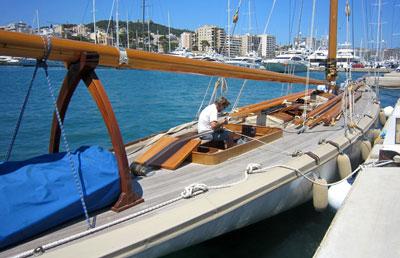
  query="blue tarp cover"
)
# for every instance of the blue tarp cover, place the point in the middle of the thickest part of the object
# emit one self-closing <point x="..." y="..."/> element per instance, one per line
<point x="40" y="193"/>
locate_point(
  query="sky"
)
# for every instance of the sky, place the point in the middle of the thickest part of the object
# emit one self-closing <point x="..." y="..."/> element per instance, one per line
<point x="287" y="19"/>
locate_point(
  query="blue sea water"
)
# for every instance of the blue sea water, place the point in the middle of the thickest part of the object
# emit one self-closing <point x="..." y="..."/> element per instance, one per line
<point x="147" y="102"/>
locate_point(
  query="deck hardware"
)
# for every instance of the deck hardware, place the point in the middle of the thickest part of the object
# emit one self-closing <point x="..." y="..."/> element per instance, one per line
<point x="297" y="153"/>
<point x="123" y="56"/>
<point x="336" y="145"/>
<point x="314" y="156"/>
<point x="38" y="251"/>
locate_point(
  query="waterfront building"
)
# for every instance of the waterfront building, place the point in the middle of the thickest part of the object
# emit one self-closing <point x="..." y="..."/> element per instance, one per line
<point x="249" y="44"/>
<point x="212" y="34"/>
<point x="186" y="41"/>
<point x="19" y="27"/>
<point x="268" y="46"/>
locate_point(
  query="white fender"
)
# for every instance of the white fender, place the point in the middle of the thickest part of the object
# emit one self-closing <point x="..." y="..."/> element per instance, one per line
<point x="344" y="165"/>
<point x="320" y="195"/>
<point x="365" y="147"/>
<point x="337" y="194"/>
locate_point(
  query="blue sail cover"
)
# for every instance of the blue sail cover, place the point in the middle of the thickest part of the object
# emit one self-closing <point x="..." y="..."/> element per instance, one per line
<point x="40" y="193"/>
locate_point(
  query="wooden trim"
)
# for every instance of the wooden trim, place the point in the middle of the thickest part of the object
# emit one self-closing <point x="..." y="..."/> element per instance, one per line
<point x="215" y="157"/>
<point x="256" y="108"/>
<point x="27" y="45"/>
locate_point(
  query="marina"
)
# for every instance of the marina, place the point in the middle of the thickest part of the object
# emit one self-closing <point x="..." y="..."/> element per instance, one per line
<point x="133" y="185"/>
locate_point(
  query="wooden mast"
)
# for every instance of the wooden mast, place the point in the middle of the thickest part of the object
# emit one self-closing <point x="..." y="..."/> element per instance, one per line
<point x="331" y="64"/>
<point x="26" y="45"/>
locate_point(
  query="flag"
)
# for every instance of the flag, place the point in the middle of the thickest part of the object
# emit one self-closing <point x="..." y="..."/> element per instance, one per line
<point x="236" y="16"/>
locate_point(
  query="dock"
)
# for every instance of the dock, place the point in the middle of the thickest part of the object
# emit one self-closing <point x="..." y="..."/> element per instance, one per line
<point x="368" y="223"/>
<point x="355" y="70"/>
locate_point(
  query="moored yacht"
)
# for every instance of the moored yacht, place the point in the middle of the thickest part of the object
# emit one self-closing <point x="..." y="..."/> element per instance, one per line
<point x="346" y="57"/>
<point x="319" y="57"/>
<point x="289" y="62"/>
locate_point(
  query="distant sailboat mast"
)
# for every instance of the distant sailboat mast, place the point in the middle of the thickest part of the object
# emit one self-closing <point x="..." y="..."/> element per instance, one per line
<point x="94" y="21"/>
<point x="148" y="33"/>
<point x="229" y="29"/>
<point x="37" y="20"/>
<point x="169" y="35"/>
<point x="117" y="24"/>
<point x="127" y="30"/>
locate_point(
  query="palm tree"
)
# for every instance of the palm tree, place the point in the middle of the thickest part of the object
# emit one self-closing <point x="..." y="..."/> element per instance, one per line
<point x="204" y="44"/>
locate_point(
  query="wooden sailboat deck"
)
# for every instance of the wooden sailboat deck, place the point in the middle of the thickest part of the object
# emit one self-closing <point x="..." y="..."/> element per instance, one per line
<point x="164" y="185"/>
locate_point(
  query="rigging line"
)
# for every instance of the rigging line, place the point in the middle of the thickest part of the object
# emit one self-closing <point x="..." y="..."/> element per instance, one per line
<point x="204" y="98"/>
<point x="109" y="19"/>
<point x="301" y="14"/>
<point x="21" y="114"/>
<point x="352" y="35"/>
<point x="267" y="24"/>
<point x="309" y="62"/>
<point x="238" y="97"/>
<point x="292" y="22"/>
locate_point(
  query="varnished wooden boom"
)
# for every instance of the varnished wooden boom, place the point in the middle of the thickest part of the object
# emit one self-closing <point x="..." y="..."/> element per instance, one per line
<point x="32" y="46"/>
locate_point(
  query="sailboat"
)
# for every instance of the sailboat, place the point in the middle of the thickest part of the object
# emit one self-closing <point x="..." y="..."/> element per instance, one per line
<point x="186" y="190"/>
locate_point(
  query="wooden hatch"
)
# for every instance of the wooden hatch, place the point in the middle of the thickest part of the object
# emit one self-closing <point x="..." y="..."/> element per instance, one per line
<point x="208" y="154"/>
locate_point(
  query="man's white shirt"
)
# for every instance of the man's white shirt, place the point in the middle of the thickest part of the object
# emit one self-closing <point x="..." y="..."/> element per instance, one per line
<point x="209" y="114"/>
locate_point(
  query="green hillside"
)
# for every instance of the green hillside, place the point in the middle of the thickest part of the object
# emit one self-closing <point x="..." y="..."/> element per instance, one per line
<point x="138" y="27"/>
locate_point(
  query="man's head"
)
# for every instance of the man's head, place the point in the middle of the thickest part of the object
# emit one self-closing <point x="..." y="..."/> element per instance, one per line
<point x="222" y="103"/>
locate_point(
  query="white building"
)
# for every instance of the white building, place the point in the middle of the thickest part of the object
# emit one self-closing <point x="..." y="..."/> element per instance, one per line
<point x="186" y="41"/>
<point x="249" y="43"/>
<point x="268" y="45"/>
<point x="211" y="34"/>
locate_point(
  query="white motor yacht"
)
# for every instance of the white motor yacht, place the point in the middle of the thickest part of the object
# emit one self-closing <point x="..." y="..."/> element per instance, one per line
<point x="289" y="62"/>
<point x="252" y="60"/>
<point x="319" y="57"/>
<point x="345" y="56"/>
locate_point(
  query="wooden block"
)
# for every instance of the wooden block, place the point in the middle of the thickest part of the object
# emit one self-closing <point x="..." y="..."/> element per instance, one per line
<point x="156" y="148"/>
<point x="178" y="157"/>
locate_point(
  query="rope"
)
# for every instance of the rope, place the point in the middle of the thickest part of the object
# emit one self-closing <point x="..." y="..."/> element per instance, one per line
<point x="309" y="63"/>
<point x="21" y="114"/>
<point x="78" y="182"/>
<point x="204" y="97"/>
<point x="238" y="97"/>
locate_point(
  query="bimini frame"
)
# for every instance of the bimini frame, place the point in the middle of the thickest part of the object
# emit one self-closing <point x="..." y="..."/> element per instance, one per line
<point x="82" y="58"/>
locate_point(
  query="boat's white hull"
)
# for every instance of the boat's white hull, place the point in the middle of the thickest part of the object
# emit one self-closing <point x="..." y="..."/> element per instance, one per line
<point x="389" y="82"/>
<point x="285" y="67"/>
<point x="265" y="205"/>
<point x="220" y="211"/>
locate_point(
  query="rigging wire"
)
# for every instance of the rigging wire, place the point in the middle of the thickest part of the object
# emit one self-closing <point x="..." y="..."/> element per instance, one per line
<point x="21" y="114"/>
<point x="204" y="98"/>
<point x="309" y="63"/>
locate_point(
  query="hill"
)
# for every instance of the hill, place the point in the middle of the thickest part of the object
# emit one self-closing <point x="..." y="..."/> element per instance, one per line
<point x="138" y="27"/>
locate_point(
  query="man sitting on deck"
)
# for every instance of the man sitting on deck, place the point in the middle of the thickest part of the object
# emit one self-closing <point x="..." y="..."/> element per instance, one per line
<point x="208" y="121"/>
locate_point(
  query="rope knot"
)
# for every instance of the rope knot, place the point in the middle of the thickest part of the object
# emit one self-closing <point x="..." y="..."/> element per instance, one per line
<point x="194" y="189"/>
<point x="251" y="167"/>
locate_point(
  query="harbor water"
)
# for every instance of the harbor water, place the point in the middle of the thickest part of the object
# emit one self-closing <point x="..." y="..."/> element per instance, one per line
<point x="145" y="103"/>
